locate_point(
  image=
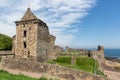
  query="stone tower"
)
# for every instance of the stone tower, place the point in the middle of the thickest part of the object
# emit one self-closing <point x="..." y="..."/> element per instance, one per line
<point x="32" y="38"/>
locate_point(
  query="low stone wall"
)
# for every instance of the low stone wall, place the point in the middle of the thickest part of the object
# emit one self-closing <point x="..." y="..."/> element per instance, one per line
<point x="68" y="54"/>
<point x="5" y="52"/>
<point x="68" y="49"/>
<point x="58" y="49"/>
<point x="54" y="70"/>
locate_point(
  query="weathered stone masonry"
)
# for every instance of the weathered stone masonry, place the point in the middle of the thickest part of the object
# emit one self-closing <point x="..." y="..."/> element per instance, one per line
<point x="32" y="38"/>
<point x="53" y="70"/>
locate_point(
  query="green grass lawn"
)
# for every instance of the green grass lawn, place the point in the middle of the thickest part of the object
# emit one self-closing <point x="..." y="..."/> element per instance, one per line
<point x="83" y="63"/>
<point x="7" y="76"/>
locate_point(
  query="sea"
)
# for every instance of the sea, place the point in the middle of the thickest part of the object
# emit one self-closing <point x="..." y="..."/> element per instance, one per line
<point x="112" y="53"/>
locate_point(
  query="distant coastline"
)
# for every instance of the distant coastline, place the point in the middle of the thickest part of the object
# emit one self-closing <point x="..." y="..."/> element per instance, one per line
<point x="112" y="59"/>
<point x="112" y="54"/>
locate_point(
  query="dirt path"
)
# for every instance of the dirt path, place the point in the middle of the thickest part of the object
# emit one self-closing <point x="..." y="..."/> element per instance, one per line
<point x="26" y="73"/>
<point x="112" y="74"/>
<point x="30" y="74"/>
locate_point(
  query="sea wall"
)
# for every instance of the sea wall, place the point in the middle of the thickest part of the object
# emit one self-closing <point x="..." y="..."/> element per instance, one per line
<point x="54" y="70"/>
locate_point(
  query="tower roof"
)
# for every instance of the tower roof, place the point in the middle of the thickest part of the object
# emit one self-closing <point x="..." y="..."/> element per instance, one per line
<point x="28" y="15"/>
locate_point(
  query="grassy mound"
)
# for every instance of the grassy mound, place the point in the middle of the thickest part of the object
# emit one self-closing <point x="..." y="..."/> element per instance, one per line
<point x="5" y="42"/>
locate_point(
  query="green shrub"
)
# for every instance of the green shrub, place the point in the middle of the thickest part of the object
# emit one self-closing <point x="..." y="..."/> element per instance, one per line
<point x="5" y="42"/>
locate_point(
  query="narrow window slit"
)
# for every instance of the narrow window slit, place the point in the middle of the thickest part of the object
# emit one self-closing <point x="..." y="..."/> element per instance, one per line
<point x="25" y="33"/>
<point x="24" y="43"/>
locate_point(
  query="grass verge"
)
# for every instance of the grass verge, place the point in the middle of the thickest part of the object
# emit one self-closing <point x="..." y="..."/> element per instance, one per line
<point x="4" y="75"/>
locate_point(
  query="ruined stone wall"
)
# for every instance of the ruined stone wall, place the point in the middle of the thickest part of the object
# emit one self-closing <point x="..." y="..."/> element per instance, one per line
<point x="58" y="49"/>
<point x="42" y="42"/>
<point x="45" y="42"/>
<point x="99" y="56"/>
<point x="13" y="44"/>
<point x="52" y="43"/>
<point x="43" y="51"/>
<point x="75" y="55"/>
<point x="5" y="52"/>
<point x="54" y="70"/>
<point x="51" y="47"/>
<point x="80" y="51"/>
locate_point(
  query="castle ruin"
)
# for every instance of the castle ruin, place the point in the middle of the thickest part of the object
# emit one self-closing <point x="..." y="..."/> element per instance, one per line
<point x="32" y="38"/>
<point x="33" y="45"/>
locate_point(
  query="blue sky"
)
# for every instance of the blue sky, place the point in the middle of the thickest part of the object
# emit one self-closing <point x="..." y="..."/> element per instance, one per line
<point x="75" y="23"/>
<point x="101" y="26"/>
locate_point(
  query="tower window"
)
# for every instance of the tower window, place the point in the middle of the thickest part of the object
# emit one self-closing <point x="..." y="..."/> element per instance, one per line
<point x="25" y="33"/>
<point x="23" y="25"/>
<point x="28" y="53"/>
<point x="24" y="43"/>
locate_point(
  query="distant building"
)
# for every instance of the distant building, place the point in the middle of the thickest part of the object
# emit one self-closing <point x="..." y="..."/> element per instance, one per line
<point x="32" y="38"/>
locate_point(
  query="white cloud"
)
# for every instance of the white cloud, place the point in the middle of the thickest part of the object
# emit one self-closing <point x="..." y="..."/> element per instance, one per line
<point x="4" y="3"/>
<point x="58" y="14"/>
<point x="7" y="29"/>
